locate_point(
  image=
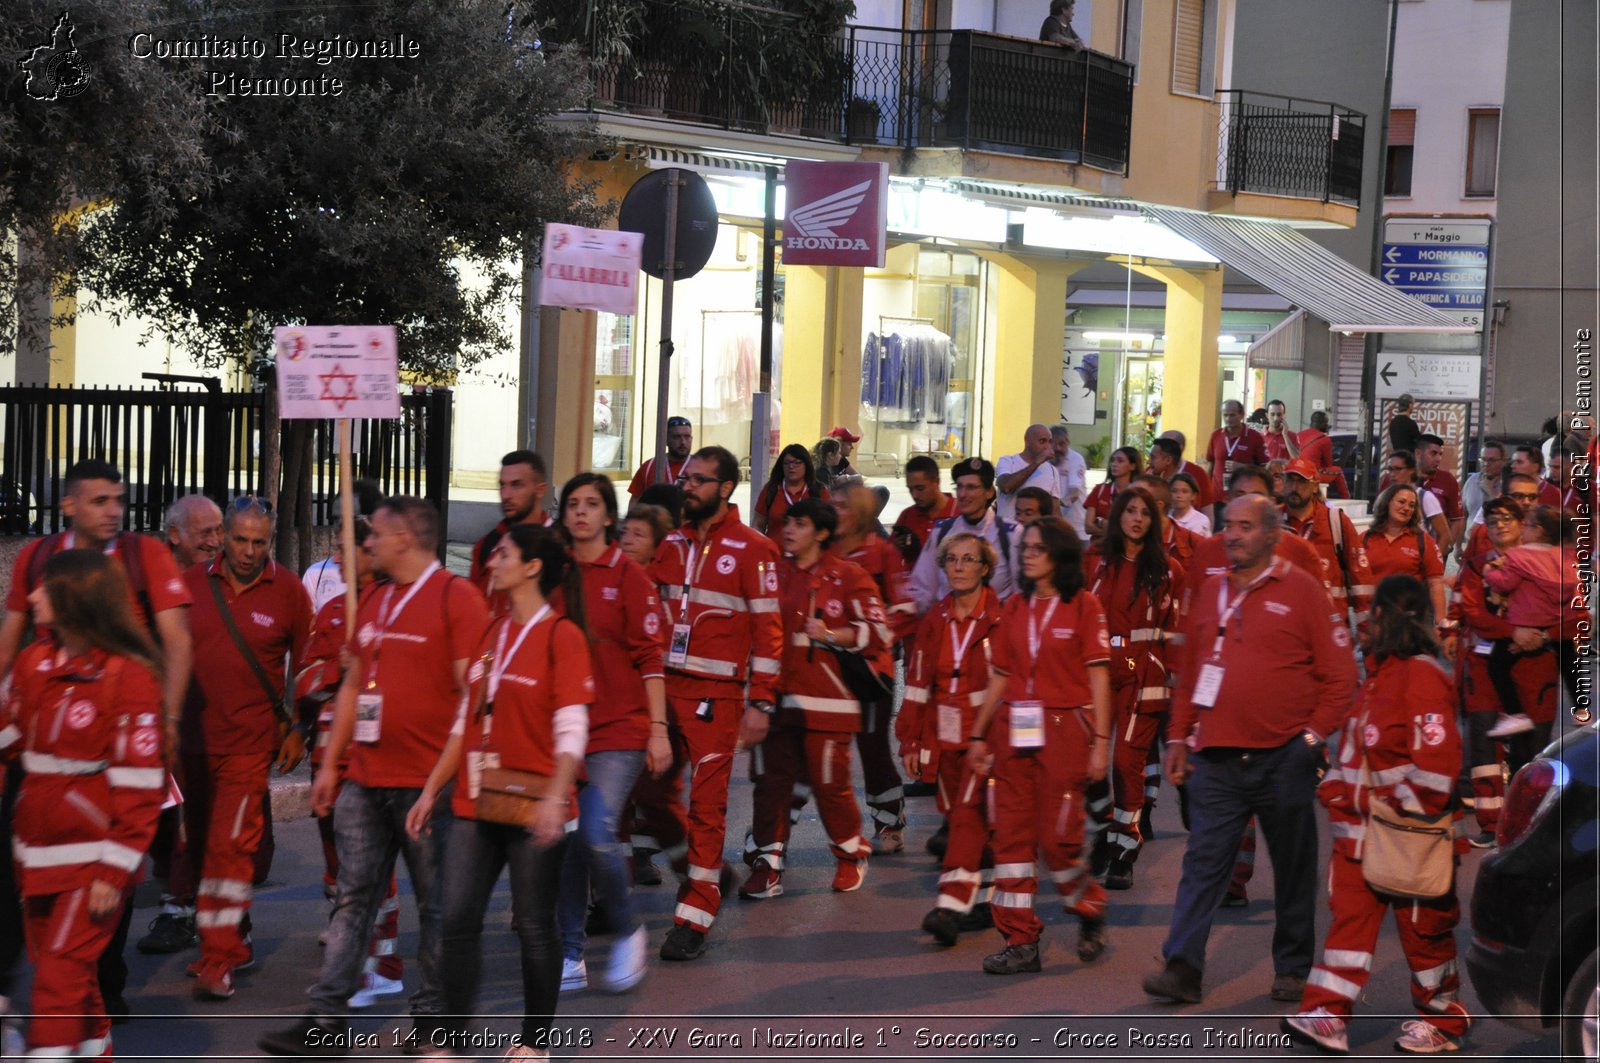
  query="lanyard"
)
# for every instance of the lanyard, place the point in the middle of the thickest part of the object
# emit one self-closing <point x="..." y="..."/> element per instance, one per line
<point x="1036" y="628"/>
<point x="792" y="499"/>
<point x="502" y="659"/>
<point x="1233" y="444"/>
<point x="691" y="572"/>
<point x="958" y="650"/>
<point x="387" y="616"/>
<point x="1227" y="609"/>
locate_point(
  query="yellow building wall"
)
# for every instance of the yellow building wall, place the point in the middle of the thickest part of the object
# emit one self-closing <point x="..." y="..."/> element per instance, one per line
<point x="1194" y="317"/>
<point x="1027" y="315"/>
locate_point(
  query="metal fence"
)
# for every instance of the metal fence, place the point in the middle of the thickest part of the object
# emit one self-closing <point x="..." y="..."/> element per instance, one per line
<point x="736" y="67"/>
<point x="1281" y="146"/>
<point x="173" y="443"/>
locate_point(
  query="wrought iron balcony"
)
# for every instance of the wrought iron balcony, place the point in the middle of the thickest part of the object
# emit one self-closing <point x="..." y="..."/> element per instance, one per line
<point x="737" y="68"/>
<point x="1281" y="146"/>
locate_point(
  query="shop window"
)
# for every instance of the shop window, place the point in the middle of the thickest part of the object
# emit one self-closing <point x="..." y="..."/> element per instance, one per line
<point x="614" y="394"/>
<point x="1483" y="150"/>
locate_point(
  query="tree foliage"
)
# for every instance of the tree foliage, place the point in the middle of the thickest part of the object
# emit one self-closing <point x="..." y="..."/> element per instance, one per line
<point x="405" y="195"/>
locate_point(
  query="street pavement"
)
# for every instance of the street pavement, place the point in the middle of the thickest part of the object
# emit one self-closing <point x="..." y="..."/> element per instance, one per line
<point x="814" y="975"/>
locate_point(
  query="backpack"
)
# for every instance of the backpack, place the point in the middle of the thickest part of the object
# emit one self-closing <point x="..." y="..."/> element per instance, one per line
<point x="128" y="544"/>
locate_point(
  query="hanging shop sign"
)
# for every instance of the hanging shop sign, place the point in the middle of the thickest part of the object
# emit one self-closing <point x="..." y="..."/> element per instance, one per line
<point x="590" y="269"/>
<point x="836" y="213"/>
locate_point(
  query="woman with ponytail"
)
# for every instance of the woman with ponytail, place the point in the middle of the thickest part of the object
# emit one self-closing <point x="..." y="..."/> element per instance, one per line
<point x="523" y="727"/>
<point x="84" y="713"/>
<point x="1399" y="747"/>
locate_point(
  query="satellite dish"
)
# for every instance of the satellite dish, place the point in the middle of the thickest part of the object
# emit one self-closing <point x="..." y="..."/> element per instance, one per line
<point x="644" y="211"/>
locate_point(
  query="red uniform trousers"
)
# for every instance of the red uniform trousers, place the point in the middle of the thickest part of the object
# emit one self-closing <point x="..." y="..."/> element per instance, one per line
<point x="706" y="745"/>
<point x="1486" y="756"/>
<point x="967" y="876"/>
<point x="238" y="788"/>
<point x="382" y="956"/>
<point x="1427" y="936"/>
<point x="1136" y="733"/>
<point x="64" y="945"/>
<point x="177" y="852"/>
<point x="1038" y="814"/>
<point x="789" y="752"/>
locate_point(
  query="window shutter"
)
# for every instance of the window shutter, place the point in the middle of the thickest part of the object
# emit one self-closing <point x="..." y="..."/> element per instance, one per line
<point x="1402" y="127"/>
<point x="1188" y="38"/>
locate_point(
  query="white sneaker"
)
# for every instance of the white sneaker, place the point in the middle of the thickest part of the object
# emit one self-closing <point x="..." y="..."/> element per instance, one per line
<point x="12" y="1044"/>
<point x="373" y="986"/>
<point x="1425" y="1039"/>
<point x="1510" y="723"/>
<point x="627" y="965"/>
<point x="1319" y="1027"/>
<point x="574" y="975"/>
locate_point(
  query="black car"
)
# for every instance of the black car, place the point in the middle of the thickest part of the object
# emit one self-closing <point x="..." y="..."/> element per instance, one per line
<point x="1535" y="936"/>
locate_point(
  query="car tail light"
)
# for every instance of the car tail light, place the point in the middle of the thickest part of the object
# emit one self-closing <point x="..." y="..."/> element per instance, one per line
<point x="1533" y="789"/>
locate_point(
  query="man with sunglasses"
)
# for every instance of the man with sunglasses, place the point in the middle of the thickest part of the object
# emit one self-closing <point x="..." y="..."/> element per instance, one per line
<point x="251" y="618"/>
<point x="680" y="440"/>
<point x="719" y="587"/>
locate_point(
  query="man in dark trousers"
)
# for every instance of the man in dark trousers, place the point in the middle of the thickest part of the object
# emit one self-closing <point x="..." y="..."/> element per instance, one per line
<point x="1403" y="431"/>
<point x="1268" y="678"/>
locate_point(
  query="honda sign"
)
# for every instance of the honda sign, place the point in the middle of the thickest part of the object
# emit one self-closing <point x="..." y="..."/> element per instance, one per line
<point x="836" y="213"/>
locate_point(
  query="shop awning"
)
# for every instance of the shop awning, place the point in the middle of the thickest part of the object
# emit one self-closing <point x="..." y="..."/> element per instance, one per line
<point x="658" y="158"/>
<point x="1283" y="346"/>
<point x="1281" y="259"/>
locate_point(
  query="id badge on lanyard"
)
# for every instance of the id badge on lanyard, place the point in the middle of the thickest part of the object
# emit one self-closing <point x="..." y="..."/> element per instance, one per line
<point x="369" y="716"/>
<point x="678" y="650"/>
<point x="369" y="702"/>
<point x="1027" y="725"/>
<point x="950" y="725"/>
<point x="1208" y="684"/>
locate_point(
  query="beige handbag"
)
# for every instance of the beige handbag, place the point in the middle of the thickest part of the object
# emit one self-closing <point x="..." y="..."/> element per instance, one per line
<point x="511" y="797"/>
<point x="1405" y="855"/>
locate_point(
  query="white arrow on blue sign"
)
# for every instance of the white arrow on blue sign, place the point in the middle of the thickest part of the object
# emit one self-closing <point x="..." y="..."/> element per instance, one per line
<point x="1443" y="263"/>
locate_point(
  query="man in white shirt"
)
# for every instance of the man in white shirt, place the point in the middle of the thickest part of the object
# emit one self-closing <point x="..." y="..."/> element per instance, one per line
<point x="1071" y="473"/>
<point x="1034" y="467"/>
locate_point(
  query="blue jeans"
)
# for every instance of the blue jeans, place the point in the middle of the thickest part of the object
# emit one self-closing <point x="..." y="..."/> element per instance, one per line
<point x="1226" y="787"/>
<point x="596" y="853"/>
<point x="477" y="853"/>
<point x="369" y="829"/>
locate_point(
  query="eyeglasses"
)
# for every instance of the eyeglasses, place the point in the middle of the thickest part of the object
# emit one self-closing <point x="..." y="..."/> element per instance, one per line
<point x="245" y="503"/>
<point x="793" y="461"/>
<point x="961" y="560"/>
<point x="1035" y="548"/>
<point x="1500" y="518"/>
<point x="697" y="481"/>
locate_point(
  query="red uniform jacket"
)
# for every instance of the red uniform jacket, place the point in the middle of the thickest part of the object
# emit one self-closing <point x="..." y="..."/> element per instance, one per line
<point x="1181" y="543"/>
<point x="89" y="734"/>
<point x="883" y="563"/>
<point x="1405" y="723"/>
<point x="1140" y="628"/>
<point x="274" y="616"/>
<point x="645" y="477"/>
<point x="1349" y="586"/>
<point x="934" y="680"/>
<point x="623" y="617"/>
<point x="722" y="581"/>
<point x="1287" y="664"/>
<point x="1070" y="641"/>
<point x="839" y="592"/>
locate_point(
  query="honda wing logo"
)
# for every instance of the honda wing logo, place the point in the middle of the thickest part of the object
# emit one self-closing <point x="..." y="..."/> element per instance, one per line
<point x="815" y="222"/>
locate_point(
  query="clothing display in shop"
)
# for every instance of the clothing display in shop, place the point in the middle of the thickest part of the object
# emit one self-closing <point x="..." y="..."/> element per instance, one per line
<point x="715" y="382"/>
<point x="905" y="375"/>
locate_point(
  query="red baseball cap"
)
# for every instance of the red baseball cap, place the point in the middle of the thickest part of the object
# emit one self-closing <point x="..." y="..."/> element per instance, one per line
<point x="1302" y="468"/>
<point x="841" y="432"/>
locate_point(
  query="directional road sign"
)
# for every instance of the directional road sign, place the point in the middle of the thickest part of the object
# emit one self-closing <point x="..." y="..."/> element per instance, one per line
<point x="1444" y="263"/>
<point x="1429" y="376"/>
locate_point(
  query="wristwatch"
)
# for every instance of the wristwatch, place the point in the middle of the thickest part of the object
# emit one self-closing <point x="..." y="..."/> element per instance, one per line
<point x="1311" y="739"/>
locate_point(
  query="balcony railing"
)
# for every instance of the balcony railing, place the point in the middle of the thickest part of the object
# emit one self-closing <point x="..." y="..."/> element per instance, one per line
<point x="734" y="68"/>
<point x="1281" y="146"/>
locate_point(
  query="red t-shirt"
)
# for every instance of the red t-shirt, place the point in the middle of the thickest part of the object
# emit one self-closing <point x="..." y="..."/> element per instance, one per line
<point x="920" y="524"/>
<point x="1277" y="446"/>
<point x="779" y="504"/>
<point x="1549" y="493"/>
<point x="645" y="477"/>
<point x="1401" y="556"/>
<point x="274" y="616"/>
<point x="550" y="670"/>
<point x="409" y="651"/>
<point x="1072" y="636"/>
<point x="1098" y="504"/>
<point x="162" y="581"/>
<point x="1443" y="486"/>
<point x="622" y="613"/>
<point x="1225" y="451"/>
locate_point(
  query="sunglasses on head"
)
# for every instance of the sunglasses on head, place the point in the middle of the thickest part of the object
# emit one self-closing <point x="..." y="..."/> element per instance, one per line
<point x="245" y="503"/>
